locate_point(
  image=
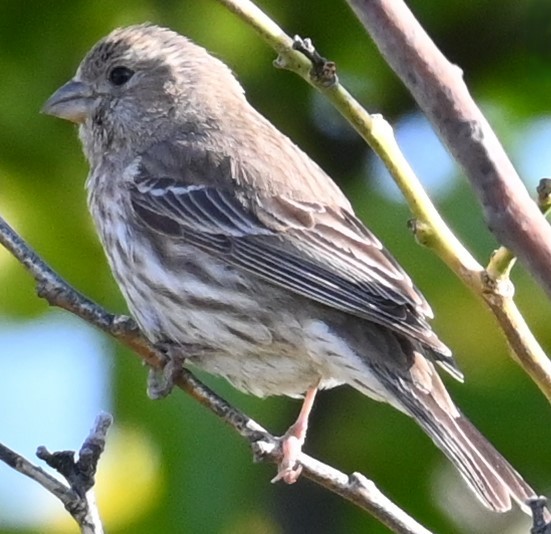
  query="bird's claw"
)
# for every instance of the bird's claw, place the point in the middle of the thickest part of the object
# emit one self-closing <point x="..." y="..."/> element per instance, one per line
<point x="160" y="382"/>
<point x="289" y="468"/>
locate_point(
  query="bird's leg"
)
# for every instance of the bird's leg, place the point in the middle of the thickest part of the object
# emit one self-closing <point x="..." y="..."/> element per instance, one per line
<point x="292" y="441"/>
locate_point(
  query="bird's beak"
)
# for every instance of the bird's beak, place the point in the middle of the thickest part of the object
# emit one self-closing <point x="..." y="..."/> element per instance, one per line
<point x="72" y="101"/>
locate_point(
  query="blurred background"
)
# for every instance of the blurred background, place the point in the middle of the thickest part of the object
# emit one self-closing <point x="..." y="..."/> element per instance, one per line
<point x="170" y="466"/>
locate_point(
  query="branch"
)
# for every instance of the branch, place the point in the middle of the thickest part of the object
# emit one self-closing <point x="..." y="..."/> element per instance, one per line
<point x="430" y="229"/>
<point x="355" y="488"/>
<point x="438" y="87"/>
<point x="77" y="496"/>
<point x="539" y="525"/>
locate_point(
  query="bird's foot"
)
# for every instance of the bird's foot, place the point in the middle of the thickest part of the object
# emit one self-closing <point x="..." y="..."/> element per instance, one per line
<point x="160" y="382"/>
<point x="289" y="468"/>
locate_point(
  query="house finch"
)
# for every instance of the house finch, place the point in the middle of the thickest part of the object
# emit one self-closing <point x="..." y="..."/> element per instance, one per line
<point x="238" y="254"/>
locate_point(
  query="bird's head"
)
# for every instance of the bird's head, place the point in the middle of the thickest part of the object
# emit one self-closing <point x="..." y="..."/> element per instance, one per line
<point x="137" y="85"/>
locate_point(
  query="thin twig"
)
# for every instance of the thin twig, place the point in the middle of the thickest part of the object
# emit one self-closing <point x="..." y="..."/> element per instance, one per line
<point x="503" y="260"/>
<point x="538" y="506"/>
<point x="77" y="496"/>
<point x="57" y="292"/>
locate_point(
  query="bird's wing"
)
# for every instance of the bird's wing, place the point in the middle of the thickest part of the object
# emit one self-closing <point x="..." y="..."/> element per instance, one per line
<point x="320" y="252"/>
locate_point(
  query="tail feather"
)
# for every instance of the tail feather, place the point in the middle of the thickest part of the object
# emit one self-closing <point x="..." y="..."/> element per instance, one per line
<point x="486" y="471"/>
<point x="422" y="395"/>
<point x="516" y="487"/>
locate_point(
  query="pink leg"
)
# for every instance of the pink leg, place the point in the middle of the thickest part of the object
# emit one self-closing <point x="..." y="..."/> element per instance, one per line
<point x="292" y="441"/>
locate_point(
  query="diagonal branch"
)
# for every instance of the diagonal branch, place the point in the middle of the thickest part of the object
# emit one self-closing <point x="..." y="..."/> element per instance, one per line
<point x="57" y="292"/>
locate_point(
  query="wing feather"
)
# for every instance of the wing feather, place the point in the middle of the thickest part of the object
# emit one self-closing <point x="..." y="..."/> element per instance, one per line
<point x="324" y="254"/>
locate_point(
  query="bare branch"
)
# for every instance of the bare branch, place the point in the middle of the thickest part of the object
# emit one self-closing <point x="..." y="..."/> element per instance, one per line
<point x="538" y="506"/>
<point x="25" y="467"/>
<point x="78" y="496"/>
<point x="439" y="89"/>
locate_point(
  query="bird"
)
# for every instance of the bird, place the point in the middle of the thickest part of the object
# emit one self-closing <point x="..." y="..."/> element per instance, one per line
<point x="237" y="254"/>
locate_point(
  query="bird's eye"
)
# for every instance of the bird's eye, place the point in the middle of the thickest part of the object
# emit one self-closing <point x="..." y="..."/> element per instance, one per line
<point x="120" y="75"/>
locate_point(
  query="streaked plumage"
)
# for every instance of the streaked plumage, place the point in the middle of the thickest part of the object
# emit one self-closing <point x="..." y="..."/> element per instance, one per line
<point x="239" y="253"/>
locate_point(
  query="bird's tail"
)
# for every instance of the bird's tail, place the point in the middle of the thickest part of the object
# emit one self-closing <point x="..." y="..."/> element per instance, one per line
<point x="493" y="480"/>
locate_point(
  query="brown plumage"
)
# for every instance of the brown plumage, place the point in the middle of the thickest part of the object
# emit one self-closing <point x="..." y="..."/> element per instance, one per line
<point x="237" y="253"/>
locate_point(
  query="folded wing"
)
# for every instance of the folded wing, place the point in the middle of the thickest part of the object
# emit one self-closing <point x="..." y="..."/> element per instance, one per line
<point x="321" y="252"/>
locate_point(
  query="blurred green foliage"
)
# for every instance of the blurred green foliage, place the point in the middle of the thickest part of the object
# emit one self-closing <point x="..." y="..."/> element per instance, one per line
<point x="208" y="481"/>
